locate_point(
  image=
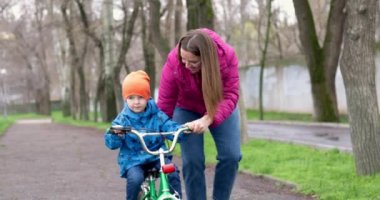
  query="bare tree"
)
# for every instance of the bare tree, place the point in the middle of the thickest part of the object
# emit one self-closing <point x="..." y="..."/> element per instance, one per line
<point x="126" y="37"/>
<point x="322" y="61"/>
<point x="168" y="25"/>
<point x="200" y="14"/>
<point x="148" y="51"/>
<point x="110" y="66"/>
<point x="178" y="21"/>
<point x="4" y="6"/>
<point x="358" y="70"/>
<point x="243" y="112"/>
<point x="32" y="46"/>
<point x="99" y="96"/>
<point x="61" y="58"/>
<point x="263" y="56"/>
<point x="159" y="41"/>
<point x="43" y="90"/>
<point x="78" y="108"/>
<point x="109" y="92"/>
<point x="277" y="39"/>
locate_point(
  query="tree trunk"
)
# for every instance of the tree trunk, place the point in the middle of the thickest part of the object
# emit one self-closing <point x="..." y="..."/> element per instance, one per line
<point x="200" y="14"/>
<point x="243" y="119"/>
<point x="43" y="89"/>
<point x="83" y="95"/>
<point x="168" y="26"/>
<point x="65" y="102"/>
<point x="110" y="100"/>
<point x="78" y="93"/>
<point x="263" y="58"/>
<point x="358" y="71"/>
<point x="100" y="88"/>
<point x="161" y="43"/>
<point x="178" y="21"/>
<point x="278" y="39"/>
<point x="242" y="109"/>
<point x="149" y="54"/>
<point x="42" y="101"/>
<point x="64" y="78"/>
<point x="62" y="67"/>
<point x="322" y="61"/>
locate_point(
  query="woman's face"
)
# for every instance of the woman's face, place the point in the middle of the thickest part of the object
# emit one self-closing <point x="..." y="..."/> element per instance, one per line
<point x="191" y="61"/>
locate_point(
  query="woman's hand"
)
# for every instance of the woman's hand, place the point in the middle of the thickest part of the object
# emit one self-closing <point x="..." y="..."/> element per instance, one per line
<point x="200" y="125"/>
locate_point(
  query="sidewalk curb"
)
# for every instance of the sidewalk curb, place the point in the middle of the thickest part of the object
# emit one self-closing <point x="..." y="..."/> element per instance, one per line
<point x="325" y="124"/>
<point x="34" y="121"/>
<point x="271" y="178"/>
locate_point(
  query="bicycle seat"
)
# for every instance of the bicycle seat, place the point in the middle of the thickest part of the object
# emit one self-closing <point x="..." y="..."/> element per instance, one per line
<point x="153" y="172"/>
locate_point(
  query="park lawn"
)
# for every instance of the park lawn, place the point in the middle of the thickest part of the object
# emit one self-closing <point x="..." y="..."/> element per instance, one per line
<point x="327" y="174"/>
<point x="58" y="118"/>
<point x="6" y="122"/>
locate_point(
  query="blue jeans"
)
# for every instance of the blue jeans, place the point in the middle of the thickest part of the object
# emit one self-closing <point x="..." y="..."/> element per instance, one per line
<point x="135" y="177"/>
<point x="227" y="140"/>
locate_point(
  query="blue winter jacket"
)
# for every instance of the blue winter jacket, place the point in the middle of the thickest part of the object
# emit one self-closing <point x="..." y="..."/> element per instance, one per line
<point x="131" y="152"/>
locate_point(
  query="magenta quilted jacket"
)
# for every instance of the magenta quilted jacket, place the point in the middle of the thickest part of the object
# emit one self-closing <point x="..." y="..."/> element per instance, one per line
<point x="178" y="87"/>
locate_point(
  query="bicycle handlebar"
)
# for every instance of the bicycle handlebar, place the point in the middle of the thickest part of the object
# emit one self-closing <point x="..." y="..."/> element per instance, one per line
<point x="140" y="136"/>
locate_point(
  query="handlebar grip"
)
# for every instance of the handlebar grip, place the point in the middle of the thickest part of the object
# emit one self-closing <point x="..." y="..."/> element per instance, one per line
<point x="121" y="128"/>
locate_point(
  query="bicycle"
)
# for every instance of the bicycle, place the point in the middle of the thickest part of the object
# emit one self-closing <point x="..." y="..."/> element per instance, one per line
<point x="148" y="187"/>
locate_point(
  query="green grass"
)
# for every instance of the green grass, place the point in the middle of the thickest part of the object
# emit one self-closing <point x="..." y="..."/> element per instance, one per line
<point x="58" y="117"/>
<point x="328" y="174"/>
<point x="6" y="122"/>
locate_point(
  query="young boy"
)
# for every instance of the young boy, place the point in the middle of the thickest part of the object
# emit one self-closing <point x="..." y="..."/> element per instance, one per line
<point x="141" y="113"/>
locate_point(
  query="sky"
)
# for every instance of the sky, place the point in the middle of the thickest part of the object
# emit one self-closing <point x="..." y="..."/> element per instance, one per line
<point x="287" y="7"/>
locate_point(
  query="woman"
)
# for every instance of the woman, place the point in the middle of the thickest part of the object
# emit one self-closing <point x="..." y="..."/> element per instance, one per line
<point x="200" y="87"/>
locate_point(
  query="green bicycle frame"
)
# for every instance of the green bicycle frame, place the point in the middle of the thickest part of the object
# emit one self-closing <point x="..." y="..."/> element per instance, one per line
<point x="149" y="190"/>
<point x="164" y="190"/>
<point x="164" y="184"/>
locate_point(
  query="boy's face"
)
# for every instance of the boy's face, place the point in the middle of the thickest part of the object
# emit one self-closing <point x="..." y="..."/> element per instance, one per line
<point x="136" y="103"/>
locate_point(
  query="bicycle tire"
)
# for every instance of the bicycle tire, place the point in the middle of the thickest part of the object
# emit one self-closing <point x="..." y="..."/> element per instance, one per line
<point x="168" y="197"/>
<point x="142" y="196"/>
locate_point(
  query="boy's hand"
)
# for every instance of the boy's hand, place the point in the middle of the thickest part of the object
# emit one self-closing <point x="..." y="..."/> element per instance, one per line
<point x="116" y="133"/>
<point x="118" y="130"/>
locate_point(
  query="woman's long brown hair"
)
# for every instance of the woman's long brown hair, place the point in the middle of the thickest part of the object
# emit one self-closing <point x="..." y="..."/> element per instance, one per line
<point x="200" y="44"/>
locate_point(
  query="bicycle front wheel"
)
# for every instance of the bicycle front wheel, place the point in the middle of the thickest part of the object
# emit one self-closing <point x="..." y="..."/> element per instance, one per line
<point x="142" y="196"/>
<point x="168" y="197"/>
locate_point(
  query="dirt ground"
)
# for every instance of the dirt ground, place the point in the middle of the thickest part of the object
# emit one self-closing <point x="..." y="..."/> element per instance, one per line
<point x="44" y="161"/>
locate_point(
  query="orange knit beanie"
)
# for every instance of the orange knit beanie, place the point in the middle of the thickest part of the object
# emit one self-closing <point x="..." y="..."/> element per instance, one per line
<point x="136" y="83"/>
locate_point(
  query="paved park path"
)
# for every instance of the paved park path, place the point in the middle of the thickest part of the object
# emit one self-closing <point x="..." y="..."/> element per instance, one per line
<point x="319" y="135"/>
<point x="40" y="160"/>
